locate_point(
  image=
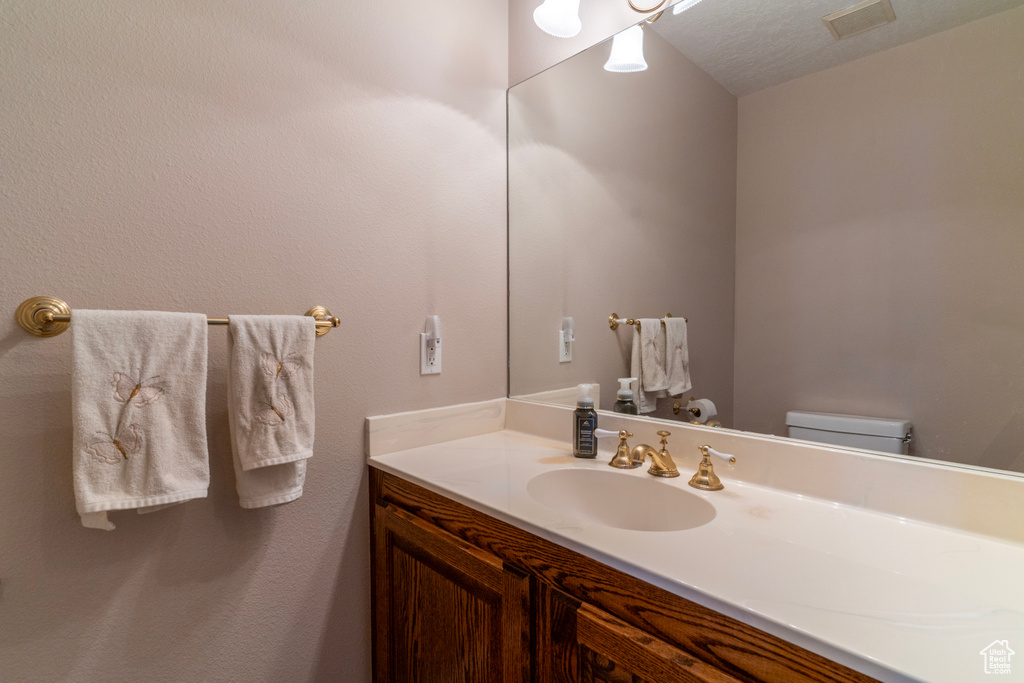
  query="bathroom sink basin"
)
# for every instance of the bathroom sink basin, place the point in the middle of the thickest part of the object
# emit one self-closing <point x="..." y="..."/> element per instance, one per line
<point x="618" y="500"/>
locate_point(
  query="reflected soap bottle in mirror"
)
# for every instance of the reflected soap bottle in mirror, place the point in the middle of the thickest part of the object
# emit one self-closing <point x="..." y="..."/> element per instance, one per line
<point x="584" y="419"/>
<point x="624" y="399"/>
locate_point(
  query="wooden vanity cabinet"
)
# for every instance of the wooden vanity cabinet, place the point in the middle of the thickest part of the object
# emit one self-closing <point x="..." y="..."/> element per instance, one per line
<point x="461" y="597"/>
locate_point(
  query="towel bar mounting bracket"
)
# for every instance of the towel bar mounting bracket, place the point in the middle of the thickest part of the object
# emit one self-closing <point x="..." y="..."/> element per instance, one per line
<point x="39" y="316"/>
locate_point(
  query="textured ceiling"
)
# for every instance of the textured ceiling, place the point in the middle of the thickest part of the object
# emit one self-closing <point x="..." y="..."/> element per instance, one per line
<point x="748" y="45"/>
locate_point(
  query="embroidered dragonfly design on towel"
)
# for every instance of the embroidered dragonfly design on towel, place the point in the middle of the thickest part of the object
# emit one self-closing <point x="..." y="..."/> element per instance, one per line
<point x="276" y="367"/>
<point x="276" y="411"/>
<point x="138" y="394"/>
<point x="113" y="450"/>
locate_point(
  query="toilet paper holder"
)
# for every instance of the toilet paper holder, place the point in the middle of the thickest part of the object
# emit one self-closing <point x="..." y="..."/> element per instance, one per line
<point x="677" y="407"/>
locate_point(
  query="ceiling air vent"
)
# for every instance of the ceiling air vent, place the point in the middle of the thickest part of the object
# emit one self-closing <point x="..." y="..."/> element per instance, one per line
<point x="859" y="18"/>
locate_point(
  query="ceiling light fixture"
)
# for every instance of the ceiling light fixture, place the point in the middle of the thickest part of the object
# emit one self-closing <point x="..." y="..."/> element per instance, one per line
<point x="681" y="7"/>
<point x="559" y="18"/>
<point x="642" y="10"/>
<point x="627" y="55"/>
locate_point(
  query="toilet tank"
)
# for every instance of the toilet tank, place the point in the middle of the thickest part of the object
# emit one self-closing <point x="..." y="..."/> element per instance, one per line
<point x="873" y="433"/>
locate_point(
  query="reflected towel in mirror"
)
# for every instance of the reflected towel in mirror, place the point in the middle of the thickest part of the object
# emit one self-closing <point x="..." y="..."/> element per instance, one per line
<point x="678" y="356"/>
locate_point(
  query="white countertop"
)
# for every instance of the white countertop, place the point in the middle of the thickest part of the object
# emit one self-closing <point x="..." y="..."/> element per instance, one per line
<point x="891" y="597"/>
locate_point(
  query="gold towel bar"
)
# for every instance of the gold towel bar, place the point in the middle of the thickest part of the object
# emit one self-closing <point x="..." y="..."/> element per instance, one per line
<point x="614" y="320"/>
<point x="45" y="316"/>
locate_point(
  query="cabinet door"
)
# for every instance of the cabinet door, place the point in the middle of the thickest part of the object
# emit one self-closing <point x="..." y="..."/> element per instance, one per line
<point x="579" y="643"/>
<point x="444" y="611"/>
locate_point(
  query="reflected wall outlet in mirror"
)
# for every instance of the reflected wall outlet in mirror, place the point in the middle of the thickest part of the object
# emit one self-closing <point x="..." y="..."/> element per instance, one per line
<point x="566" y="336"/>
<point x="564" y="347"/>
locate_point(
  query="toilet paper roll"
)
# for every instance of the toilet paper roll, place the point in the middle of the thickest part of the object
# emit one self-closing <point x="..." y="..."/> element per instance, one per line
<point x="705" y="406"/>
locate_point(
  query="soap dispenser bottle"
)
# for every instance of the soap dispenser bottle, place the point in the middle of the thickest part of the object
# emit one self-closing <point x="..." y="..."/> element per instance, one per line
<point x="624" y="400"/>
<point x="584" y="419"/>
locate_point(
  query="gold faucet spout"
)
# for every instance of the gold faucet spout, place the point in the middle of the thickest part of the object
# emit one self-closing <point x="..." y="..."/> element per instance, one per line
<point x="662" y="464"/>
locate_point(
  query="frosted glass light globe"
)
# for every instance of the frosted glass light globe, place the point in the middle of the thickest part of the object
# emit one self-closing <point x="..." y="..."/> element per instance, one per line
<point x="559" y="18"/>
<point x="683" y="6"/>
<point x="627" y="53"/>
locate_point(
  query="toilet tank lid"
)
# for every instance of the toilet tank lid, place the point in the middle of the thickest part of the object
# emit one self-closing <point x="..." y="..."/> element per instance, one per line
<point x="849" y="424"/>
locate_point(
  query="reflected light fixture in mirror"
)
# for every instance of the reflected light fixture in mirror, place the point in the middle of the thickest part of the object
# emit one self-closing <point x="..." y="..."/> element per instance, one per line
<point x="627" y="55"/>
<point x="559" y="18"/>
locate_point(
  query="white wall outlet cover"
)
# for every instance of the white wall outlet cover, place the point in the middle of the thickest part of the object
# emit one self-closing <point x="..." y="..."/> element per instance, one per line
<point x="430" y="355"/>
<point x="564" y="348"/>
<point x="430" y="346"/>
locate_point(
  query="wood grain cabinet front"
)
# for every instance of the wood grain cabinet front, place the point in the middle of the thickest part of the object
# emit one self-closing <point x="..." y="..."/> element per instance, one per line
<point x="444" y="610"/>
<point x="580" y="643"/>
<point x="461" y="597"/>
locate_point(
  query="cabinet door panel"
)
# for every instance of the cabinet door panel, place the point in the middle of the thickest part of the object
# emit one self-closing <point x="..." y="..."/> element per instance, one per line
<point x="631" y="650"/>
<point x="442" y="631"/>
<point x="579" y="643"/>
<point x="597" y="669"/>
<point x="557" y="652"/>
<point x="444" y="611"/>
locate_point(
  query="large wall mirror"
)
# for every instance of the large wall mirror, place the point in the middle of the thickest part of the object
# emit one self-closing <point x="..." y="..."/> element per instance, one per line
<point x="841" y="221"/>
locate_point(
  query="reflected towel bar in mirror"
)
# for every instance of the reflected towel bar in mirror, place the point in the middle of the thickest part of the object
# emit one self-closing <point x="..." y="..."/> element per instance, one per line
<point x="614" y="320"/>
<point x="45" y="316"/>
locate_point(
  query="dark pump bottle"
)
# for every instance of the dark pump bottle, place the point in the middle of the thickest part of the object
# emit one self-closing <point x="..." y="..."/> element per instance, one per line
<point x="624" y="403"/>
<point x="584" y="441"/>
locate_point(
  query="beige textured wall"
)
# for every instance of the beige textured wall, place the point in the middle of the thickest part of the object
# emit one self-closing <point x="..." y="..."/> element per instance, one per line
<point x="637" y="173"/>
<point x="880" y="229"/>
<point x="230" y="157"/>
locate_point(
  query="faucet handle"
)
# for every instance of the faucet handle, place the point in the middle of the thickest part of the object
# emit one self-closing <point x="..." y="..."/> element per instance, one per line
<point x="622" y="458"/>
<point x="705" y="478"/>
<point x="664" y="438"/>
<point x="727" y="457"/>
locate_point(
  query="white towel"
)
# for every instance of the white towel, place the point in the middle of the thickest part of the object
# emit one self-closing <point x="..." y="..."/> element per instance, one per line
<point x="138" y="411"/>
<point x="270" y="405"/>
<point x="647" y="364"/>
<point x="677" y="356"/>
